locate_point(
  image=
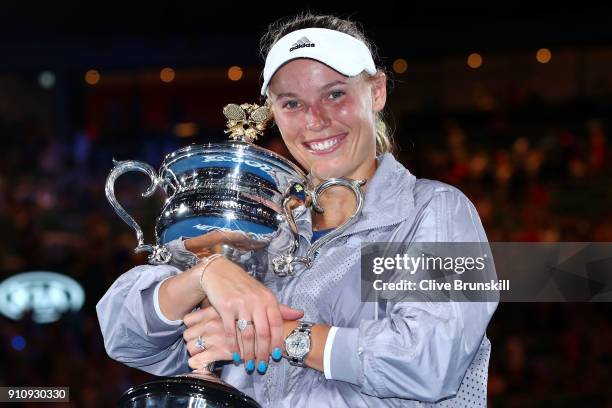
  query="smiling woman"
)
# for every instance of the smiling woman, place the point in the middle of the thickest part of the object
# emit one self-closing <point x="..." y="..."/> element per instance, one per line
<point x="318" y="94"/>
<point x="326" y="94"/>
<point x="327" y="119"/>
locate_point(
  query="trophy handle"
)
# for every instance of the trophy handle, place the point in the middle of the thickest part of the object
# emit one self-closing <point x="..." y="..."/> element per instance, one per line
<point x="353" y="185"/>
<point x="158" y="254"/>
<point x="283" y="264"/>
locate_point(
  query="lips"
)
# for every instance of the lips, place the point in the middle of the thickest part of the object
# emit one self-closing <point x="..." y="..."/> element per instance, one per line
<point x="326" y="145"/>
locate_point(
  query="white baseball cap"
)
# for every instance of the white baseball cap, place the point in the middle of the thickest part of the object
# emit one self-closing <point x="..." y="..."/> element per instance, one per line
<point x="342" y="52"/>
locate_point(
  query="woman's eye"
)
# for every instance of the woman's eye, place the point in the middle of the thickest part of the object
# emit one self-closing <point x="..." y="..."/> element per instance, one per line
<point x="290" y="105"/>
<point x="336" y="94"/>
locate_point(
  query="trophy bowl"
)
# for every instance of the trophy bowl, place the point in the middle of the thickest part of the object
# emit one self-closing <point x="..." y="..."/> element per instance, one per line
<point x="190" y="390"/>
<point x="243" y="190"/>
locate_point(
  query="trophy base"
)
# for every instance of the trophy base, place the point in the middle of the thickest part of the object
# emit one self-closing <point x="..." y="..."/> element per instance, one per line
<point x="194" y="390"/>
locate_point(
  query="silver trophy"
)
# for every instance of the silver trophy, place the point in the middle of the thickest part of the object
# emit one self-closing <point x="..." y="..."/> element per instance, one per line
<point x="241" y="196"/>
<point x="237" y="188"/>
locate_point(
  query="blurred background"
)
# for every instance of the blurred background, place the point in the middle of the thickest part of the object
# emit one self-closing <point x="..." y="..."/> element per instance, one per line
<point x="510" y="104"/>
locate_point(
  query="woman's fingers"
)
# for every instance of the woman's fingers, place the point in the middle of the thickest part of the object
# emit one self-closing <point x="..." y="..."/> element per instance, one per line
<point x="247" y="346"/>
<point x="200" y="315"/>
<point x="200" y="344"/>
<point x="206" y="341"/>
<point x="204" y="334"/>
<point x="289" y="313"/>
<point x="262" y="338"/>
<point x="201" y="360"/>
<point x="276" y="332"/>
<point x="196" y="322"/>
<point x="229" y="328"/>
<point x="259" y="339"/>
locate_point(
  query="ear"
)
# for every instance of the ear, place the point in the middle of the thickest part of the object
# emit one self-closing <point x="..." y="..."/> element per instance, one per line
<point x="379" y="91"/>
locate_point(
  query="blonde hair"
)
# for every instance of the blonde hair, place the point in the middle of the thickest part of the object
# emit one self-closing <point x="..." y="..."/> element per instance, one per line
<point x="282" y="27"/>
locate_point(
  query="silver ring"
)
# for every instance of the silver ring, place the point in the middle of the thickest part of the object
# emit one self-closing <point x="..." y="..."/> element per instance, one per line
<point x="200" y="343"/>
<point x="242" y="324"/>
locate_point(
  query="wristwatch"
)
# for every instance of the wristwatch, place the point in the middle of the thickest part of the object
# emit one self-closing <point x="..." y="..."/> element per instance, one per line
<point x="297" y="344"/>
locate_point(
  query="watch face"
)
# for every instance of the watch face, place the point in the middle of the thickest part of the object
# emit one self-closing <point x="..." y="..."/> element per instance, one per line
<point x="297" y="345"/>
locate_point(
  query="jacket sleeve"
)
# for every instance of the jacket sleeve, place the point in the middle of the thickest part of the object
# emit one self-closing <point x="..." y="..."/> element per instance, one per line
<point x="419" y="350"/>
<point x="134" y="332"/>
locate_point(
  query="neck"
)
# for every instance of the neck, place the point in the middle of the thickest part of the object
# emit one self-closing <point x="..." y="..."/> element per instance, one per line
<point x="339" y="203"/>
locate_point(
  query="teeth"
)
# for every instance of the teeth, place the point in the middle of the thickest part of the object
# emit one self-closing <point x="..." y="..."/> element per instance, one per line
<point x="318" y="146"/>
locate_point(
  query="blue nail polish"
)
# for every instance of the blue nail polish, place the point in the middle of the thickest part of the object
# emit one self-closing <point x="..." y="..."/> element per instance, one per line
<point x="250" y="366"/>
<point x="262" y="367"/>
<point x="236" y="357"/>
<point x="277" y="354"/>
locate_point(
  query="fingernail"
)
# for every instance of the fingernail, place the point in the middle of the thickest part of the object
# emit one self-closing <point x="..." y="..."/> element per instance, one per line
<point x="236" y="357"/>
<point x="262" y="367"/>
<point x="250" y="366"/>
<point x="277" y="354"/>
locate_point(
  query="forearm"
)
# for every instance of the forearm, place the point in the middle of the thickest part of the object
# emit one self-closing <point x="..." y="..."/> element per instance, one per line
<point x="132" y="331"/>
<point x="318" y="337"/>
<point x="179" y="294"/>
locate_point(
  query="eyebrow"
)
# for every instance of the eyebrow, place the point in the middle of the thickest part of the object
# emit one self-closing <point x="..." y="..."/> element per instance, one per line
<point x="324" y="87"/>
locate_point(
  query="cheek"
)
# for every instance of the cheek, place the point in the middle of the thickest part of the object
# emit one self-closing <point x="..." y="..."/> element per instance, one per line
<point x="352" y="111"/>
<point x="287" y="128"/>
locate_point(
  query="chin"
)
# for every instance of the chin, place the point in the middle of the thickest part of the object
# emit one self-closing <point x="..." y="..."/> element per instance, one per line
<point x="327" y="172"/>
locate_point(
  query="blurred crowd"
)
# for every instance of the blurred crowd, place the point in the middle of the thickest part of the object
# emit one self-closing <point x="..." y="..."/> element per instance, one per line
<point x="535" y="173"/>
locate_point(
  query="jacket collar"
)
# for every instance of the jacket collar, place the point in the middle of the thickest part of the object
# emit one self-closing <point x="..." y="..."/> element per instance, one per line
<point x="389" y="195"/>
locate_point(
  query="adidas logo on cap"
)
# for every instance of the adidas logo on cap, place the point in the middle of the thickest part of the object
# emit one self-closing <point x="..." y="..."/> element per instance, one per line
<point x="301" y="43"/>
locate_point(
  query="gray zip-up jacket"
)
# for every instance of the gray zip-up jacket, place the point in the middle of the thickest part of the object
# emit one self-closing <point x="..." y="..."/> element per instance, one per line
<point x="403" y="354"/>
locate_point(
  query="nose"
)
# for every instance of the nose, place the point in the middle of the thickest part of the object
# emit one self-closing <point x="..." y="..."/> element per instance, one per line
<point x="316" y="118"/>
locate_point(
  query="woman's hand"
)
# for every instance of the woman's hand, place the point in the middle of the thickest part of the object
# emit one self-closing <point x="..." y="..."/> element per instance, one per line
<point x="234" y="294"/>
<point x="206" y="324"/>
<point x="180" y="293"/>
